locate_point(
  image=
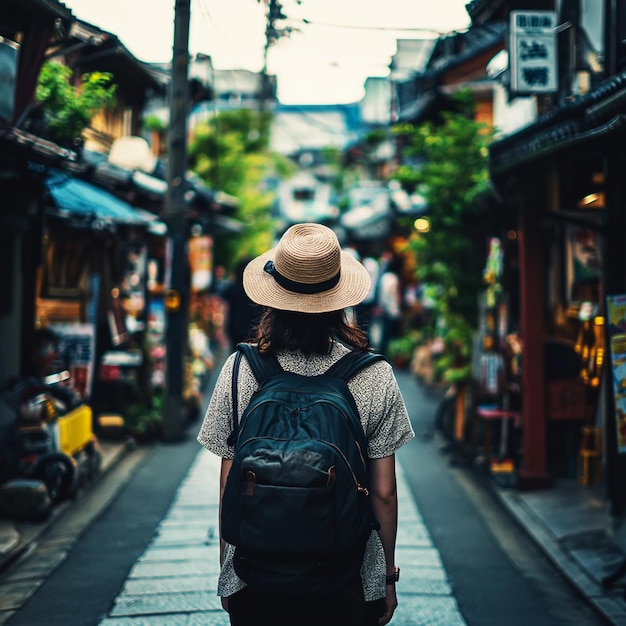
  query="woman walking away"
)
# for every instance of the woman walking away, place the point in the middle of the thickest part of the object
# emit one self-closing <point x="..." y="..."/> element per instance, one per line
<point x="307" y="421"/>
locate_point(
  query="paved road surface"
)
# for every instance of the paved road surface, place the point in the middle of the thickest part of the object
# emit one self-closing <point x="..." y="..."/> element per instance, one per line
<point x="152" y="557"/>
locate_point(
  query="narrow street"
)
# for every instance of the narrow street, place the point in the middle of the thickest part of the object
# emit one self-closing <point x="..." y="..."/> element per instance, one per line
<point x="151" y="556"/>
<point x="468" y="154"/>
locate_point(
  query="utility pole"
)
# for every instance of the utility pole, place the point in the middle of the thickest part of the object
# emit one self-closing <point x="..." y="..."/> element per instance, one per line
<point x="272" y="35"/>
<point x="177" y="294"/>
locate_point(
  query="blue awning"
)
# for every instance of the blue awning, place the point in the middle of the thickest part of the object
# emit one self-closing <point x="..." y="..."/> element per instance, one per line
<point x="72" y="198"/>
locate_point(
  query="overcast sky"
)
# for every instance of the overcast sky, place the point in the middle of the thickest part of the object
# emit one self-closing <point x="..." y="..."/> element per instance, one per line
<point x="325" y="61"/>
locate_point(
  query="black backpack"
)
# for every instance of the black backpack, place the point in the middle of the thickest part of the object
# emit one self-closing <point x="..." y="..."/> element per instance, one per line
<point x="295" y="504"/>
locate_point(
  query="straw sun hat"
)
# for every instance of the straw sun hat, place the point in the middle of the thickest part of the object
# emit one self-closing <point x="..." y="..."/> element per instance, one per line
<point x="306" y="272"/>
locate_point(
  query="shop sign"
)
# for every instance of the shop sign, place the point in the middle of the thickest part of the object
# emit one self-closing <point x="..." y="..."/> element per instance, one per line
<point x="532" y="52"/>
<point x="156" y="340"/>
<point x="616" y="330"/>
<point x="200" y="262"/>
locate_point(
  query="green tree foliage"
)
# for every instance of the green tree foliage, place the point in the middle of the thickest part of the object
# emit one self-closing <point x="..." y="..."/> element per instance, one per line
<point x="231" y="153"/>
<point x="68" y="110"/>
<point x="154" y="123"/>
<point x="446" y="162"/>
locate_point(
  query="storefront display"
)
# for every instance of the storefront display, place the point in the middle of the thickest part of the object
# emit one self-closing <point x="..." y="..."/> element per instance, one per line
<point x="573" y="366"/>
<point x="133" y="285"/>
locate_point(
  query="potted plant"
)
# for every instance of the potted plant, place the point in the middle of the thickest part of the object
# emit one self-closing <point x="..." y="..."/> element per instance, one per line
<point x="400" y="350"/>
<point x="156" y="127"/>
<point x="144" y="422"/>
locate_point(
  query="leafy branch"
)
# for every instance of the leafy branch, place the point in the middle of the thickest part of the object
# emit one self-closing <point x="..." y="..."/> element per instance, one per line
<point x="446" y="163"/>
<point x="68" y="110"/>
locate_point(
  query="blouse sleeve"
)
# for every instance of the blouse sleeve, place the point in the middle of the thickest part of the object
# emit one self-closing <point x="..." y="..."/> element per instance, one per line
<point x="383" y="411"/>
<point x="218" y="419"/>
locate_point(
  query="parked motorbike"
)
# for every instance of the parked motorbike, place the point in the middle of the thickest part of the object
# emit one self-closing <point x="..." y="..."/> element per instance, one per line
<point x="46" y="435"/>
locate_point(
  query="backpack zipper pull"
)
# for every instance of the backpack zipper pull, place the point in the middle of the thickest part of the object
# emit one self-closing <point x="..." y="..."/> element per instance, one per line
<point x="332" y="476"/>
<point x="251" y="482"/>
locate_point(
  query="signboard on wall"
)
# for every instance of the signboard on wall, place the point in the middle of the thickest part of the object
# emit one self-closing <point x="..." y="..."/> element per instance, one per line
<point x="200" y="262"/>
<point x="616" y="316"/>
<point x="532" y="52"/>
<point x="76" y="352"/>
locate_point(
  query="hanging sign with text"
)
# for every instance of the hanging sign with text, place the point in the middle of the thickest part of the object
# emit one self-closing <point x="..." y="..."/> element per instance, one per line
<point x="532" y="52"/>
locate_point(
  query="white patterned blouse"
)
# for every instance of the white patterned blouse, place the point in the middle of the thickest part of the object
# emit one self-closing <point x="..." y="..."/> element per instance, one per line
<point x="383" y="416"/>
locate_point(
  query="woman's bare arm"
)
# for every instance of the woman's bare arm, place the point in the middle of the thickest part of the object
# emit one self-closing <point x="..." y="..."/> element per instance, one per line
<point x="224" y="471"/>
<point x="385" y="504"/>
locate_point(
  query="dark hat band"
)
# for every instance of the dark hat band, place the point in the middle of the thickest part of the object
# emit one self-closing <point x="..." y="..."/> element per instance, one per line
<point x="305" y="288"/>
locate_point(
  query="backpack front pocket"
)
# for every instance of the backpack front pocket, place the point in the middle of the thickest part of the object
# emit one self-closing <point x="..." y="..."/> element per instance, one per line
<point x="292" y="518"/>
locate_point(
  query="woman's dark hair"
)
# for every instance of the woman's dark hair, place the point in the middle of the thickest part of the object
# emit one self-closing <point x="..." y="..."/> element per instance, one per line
<point x="308" y="332"/>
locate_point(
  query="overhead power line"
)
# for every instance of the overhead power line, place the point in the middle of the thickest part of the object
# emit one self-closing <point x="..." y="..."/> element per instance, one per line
<point x="381" y="28"/>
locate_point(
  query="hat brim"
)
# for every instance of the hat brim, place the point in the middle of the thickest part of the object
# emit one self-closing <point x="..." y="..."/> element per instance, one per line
<point x="352" y="288"/>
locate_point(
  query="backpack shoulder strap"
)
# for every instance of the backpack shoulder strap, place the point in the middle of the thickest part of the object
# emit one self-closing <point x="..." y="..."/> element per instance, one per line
<point x="235" y="379"/>
<point x="263" y="366"/>
<point x="352" y="363"/>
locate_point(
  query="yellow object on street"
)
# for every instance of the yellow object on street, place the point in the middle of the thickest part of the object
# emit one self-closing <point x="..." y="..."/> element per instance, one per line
<point x="75" y="429"/>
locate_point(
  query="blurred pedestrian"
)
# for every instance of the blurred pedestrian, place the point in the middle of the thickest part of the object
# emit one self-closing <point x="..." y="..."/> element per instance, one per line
<point x="242" y="314"/>
<point x="306" y="284"/>
<point x="387" y="310"/>
<point x="364" y="309"/>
